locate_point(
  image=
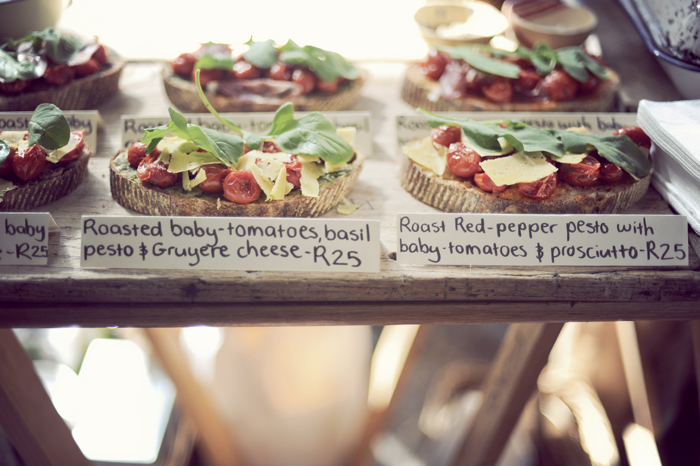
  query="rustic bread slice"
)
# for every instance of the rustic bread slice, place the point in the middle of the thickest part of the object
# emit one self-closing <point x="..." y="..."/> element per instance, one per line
<point x="183" y="94"/>
<point x="81" y="94"/>
<point x="452" y="194"/>
<point x="418" y="91"/>
<point x="55" y="182"/>
<point x="149" y="199"/>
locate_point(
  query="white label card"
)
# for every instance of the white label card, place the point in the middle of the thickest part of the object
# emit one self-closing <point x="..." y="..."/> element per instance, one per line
<point x="77" y="119"/>
<point x="230" y="243"/>
<point x="542" y="240"/>
<point x="134" y="127"/>
<point x="410" y="127"/>
<point x="24" y="238"/>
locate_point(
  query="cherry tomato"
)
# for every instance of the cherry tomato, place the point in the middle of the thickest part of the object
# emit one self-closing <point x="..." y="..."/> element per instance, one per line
<point x="581" y="174"/>
<point x="610" y="173"/>
<point x="59" y="75"/>
<point x="28" y="164"/>
<point x="540" y="189"/>
<point x="14" y="87"/>
<point x="294" y="172"/>
<point x="244" y="70"/>
<point x="327" y="87"/>
<point x="527" y="80"/>
<point x="91" y="66"/>
<point x="184" y="65"/>
<point x="523" y="63"/>
<point x="462" y="161"/>
<point x="591" y="83"/>
<point x="559" y="86"/>
<point x="270" y="147"/>
<point x="483" y="181"/>
<point x="77" y="151"/>
<point x="152" y="171"/>
<point x="6" y="165"/>
<point x="499" y="91"/>
<point x="280" y="72"/>
<point x="207" y="76"/>
<point x="100" y="55"/>
<point x="136" y="153"/>
<point x="636" y="134"/>
<point x="434" y="64"/>
<point x="215" y="178"/>
<point x="306" y="79"/>
<point x="445" y="135"/>
<point x="240" y="187"/>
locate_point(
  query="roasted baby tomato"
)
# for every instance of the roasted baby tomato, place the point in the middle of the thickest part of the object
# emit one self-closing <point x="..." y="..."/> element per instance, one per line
<point x="91" y="66"/>
<point x="184" y="65"/>
<point x="559" y="86"/>
<point x="499" y="91"/>
<point x="306" y="79"/>
<point x="540" y="189"/>
<point x="610" y="173"/>
<point x="14" y="87"/>
<point x="216" y="173"/>
<point x="327" y="87"/>
<point x="100" y="55"/>
<point x="527" y="80"/>
<point x="581" y="174"/>
<point x="241" y="187"/>
<point x="483" y="181"/>
<point x="244" y="70"/>
<point x="280" y="71"/>
<point x="636" y="134"/>
<point x="207" y="76"/>
<point x="6" y="165"/>
<point x="152" y="171"/>
<point x="445" y="135"/>
<point x="590" y="84"/>
<point x="462" y="161"/>
<point x="270" y="147"/>
<point x="294" y="172"/>
<point x="28" y="164"/>
<point x="77" y="138"/>
<point x="434" y="64"/>
<point x="59" y="74"/>
<point x="136" y="153"/>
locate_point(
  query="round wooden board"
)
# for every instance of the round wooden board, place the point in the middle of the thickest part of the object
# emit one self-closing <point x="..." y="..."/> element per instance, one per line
<point x="81" y="94"/>
<point x="417" y="89"/>
<point x="51" y="185"/>
<point x="149" y="199"/>
<point x="456" y="195"/>
<point x="183" y="94"/>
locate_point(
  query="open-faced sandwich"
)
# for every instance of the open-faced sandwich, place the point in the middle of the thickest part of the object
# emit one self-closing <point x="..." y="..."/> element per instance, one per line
<point x="50" y="67"/>
<point x="299" y="168"/>
<point x="507" y="166"/>
<point x="263" y="78"/>
<point x="42" y="164"/>
<point x="482" y="78"/>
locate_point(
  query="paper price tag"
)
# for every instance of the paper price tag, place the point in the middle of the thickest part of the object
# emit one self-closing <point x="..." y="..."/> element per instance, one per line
<point x="542" y="240"/>
<point x="134" y="127"/>
<point x="230" y="243"/>
<point x="24" y="238"/>
<point x="78" y="120"/>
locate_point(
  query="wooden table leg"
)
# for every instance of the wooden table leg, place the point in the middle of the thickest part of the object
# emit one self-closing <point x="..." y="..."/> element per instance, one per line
<point x="509" y="385"/>
<point x="27" y="414"/>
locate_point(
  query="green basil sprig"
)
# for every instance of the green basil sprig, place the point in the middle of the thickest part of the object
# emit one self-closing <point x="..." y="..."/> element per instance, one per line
<point x="59" y="47"/>
<point x="4" y="151"/>
<point x="325" y="64"/>
<point x="261" y="54"/>
<point x="11" y="68"/>
<point x="481" y="62"/>
<point x="48" y="127"/>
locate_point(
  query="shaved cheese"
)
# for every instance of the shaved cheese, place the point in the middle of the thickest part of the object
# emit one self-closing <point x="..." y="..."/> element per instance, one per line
<point x="5" y="186"/>
<point x="308" y="158"/>
<point x="345" y="207"/>
<point x="515" y="169"/>
<point x="201" y="177"/>
<point x="569" y="158"/>
<point x="310" y="173"/>
<point x="14" y="138"/>
<point x="425" y="154"/>
<point x="270" y="167"/>
<point x="172" y="143"/>
<point x="330" y="168"/>
<point x="181" y="161"/>
<point x="265" y="183"/>
<point x="348" y="134"/>
<point x="579" y="129"/>
<point x="506" y="147"/>
<point x="186" y="182"/>
<point x="282" y="186"/>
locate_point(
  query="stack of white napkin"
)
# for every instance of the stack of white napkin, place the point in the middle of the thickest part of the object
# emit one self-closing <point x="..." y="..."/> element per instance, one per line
<point x="674" y="128"/>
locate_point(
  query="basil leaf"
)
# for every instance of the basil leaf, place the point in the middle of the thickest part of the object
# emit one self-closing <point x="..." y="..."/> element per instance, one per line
<point x="261" y="54"/>
<point x="4" y="151"/>
<point x="482" y="136"/>
<point x="483" y="63"/>
<point x="312" y="134"/>
<point x="11" y="68"/>
<point x="577" y="63"/>
<point x="326" y="65"/>
<point x="543" y="58"/>
<point x="59" y="48"/>
<point x="215" y="62"/>
<point x="620" y="150"/>
<point x="529" y="139"/>
<point x="153" y="136"/>
<point x="345" y="68"/>
<point x="226" y="147"/>
<point x="48" y="127"/>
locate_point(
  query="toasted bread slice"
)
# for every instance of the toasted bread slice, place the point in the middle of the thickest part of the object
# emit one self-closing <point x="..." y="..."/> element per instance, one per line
<point x="452" y="194"/>
<point x="423" y="92"/>
<point x="146" y="198"/>
<point x="56" y="181"/>
<point x="183" y="94"/>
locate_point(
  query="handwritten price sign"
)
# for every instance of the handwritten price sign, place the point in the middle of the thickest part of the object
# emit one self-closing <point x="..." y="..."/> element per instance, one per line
<point x="542" y="240"/>
<point x="230" y="243"/>
<point x="24" y="238"/>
